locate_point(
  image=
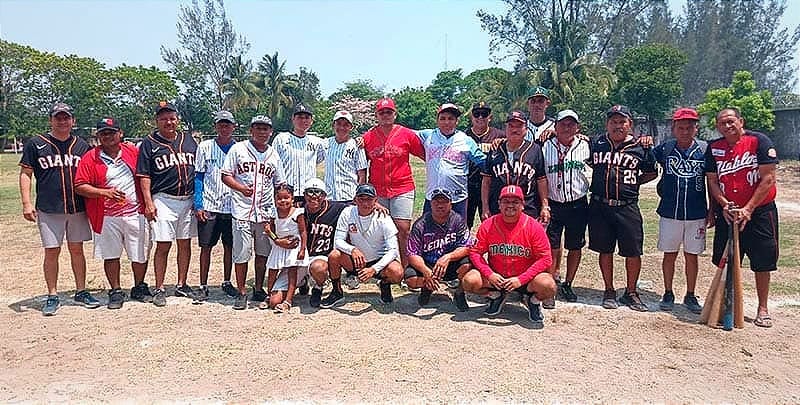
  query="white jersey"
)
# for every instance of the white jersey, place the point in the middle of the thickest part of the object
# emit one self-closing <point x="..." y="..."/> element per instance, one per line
<point x="209" y="159"/>
<point x="374" y="235"/>
<point x="342" y="163"/>
<point x="300" y="157"/>
<point x="261" y="171"/>
<point x="566" y="169"/>
<point x="534" y="130"/>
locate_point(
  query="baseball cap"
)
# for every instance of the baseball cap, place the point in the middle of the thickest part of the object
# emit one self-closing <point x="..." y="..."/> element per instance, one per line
<point x="621" y="110"/>
<point x="261" y="119"/>
<point x="517" y="115"/>
<point x="61" y="108"/>
<point x="442" y="192"/>
<point x="366" y="189"/>
<point x="301" y="108"/>
<point x="512" y="191"/>
<point x="385" y="103"/>
<point x="567" y="114"/>
<point x="224" y="116"/>
<point x="164" y="106"/>
<point x="315" y="183"/>
<point x="106" y="124"/>
<point x="449" y="107"/>
<point x="539" y="91"/>
<point x="343" y="114"/>
<point x="685" y="114"/>
<point x="481" y="105"/>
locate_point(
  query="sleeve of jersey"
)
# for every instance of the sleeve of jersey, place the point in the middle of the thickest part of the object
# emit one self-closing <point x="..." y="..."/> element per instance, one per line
<point x="476" y="154"/>
<point x="340" y="237"/>
<point x="361" y="159"/>
<point x="658" y="151"/>
<point x="711" y="163"/>
<point x="143" y="162"/>
<point x="480" y="247"/>
<point x="540" y="251"/>
<point x="280" y="172"/>
<point x="540" y="172"/>
<point x="766" y="154"/>
<point x="199" y="187"/>
<point x="415" y="145"/>
<point x="414" y="245"/>
<point x="83" y="174"/>
<point x="229" y="163"/>
<point x="28" y="154"/>
<point x="649" y="162"/>
<point x="392" y="252"/>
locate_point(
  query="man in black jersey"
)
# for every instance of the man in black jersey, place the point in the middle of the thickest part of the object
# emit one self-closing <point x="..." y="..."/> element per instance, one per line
<point x="484" y="135"/>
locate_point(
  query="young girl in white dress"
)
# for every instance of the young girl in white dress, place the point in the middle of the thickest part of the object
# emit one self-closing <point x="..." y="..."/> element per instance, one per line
<point x="283" y="263"/>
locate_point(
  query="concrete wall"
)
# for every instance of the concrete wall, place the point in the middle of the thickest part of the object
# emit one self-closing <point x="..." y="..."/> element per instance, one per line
<point x="787" y="133"/>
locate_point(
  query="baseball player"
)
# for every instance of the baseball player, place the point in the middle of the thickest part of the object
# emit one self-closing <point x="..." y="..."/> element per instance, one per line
<point x="484" y="135"/>
<point x="540" y="126"/>
<point x="252" y="169"/>
<point x="300" y="152"/>
<point x="345" y="163"/>
<point x="52" y="159"/>
<point x="166" y="169"/>
<point x="106" y="179"/>
<point x="212" y="203"/>
<point x="620" y="165"/>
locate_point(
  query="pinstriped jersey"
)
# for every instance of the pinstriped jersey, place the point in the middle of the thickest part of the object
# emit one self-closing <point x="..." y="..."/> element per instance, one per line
<point x="533" y="130"/>
<point x="616" y="168"/>
<point x="259" y="170"/>
<point x="342" y="163"/>
<point x="300" y="157"/>
<point x="209" y="160"/>
<point x="54" y="163"/>
<point x="566" y="169"/>
<point x="682" y="187"/>
<point x="168" y="163"/>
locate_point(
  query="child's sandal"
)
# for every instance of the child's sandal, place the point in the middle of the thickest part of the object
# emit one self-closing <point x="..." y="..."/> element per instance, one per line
<point x="283" y="307"/>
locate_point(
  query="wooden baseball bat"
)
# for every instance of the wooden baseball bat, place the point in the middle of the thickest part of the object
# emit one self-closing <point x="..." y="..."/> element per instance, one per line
<point x="714" y="292"/>
<point x="736" y="264"/>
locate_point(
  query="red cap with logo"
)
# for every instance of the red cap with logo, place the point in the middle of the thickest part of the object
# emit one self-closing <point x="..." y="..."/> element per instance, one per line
<point x="685" y="114"/>
<point x="385" y="103"/>
<point x="512" y="191"/>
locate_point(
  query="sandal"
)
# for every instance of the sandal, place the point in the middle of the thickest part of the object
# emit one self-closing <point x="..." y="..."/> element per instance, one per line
<point x="283" y="307"/>
<point x="264" y="304"/>
<point x="763" y="320"/>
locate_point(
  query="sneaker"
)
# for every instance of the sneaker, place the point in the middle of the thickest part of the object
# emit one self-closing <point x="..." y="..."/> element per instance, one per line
<point x="386" y="292"/>
<point x="610" y="299"/>
<point x="460" y="299"/>
<point x="200" y="295"/>
<point x="566" y="293"/>
<point x="668" y="301"/>
<point x="115" y="298"/>
<point x="229" y="289"/>
<point x="549" y="303"/>
<point x="184" y="291"/>
<point x="141" y="292"/>
<point x="632" y="300"/>
<point x="333" y="299"/>
<point x="691" y="303"/>
<point x="496" y="301"/>
<point x="405" y="286"/>
<point x="303" y="289"/>
<point x="534" y="312"/>
<point x="51" y="305"/>
<point x="424" y="297"/>
<point x="241" y="302"/>
<point x="351" y="281"/>
<point x="83" y="297"/>
<point x="160" y="297"/>
<point x="258" y="295"/>
<point x="316" y="297"/>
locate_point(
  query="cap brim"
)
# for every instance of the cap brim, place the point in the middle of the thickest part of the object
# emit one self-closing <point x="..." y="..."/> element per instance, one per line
<point x="54" y="113"/>
<point x="452" y="111"/>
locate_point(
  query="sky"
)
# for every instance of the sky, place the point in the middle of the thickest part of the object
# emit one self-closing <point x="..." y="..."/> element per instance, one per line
<point x="393" y="43"/>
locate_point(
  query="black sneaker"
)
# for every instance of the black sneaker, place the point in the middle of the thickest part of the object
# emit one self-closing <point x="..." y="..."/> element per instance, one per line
<point x="316" y="297"/>
<point x="566" y="293"/>
<point x="200" y="295"/>
<point x="241" y="302"/>
<point x="184" y="291"/>
<point x="115" y="298"/>
<point x="534" y="312"/>
<point x="632" y="300"/>
<point x="83" y="297"/>
<point x="549" y="303"/>
<point x="496" y="304"/>
<point x="258" y="295"/>
<point x="229" y="289"/>
<point x="333" y="299"/>
<point x="610" y="299"/>
<point x="460" y="299"/>
<point x="667" y="301"/>
<point x="690" y="300"/>
<point x="160" y="297"/>
<point x="303" y="289"/>
<point x="141" y="293"/>
<point x="51" y="305"/>
<point x="386" y="292"/>
<point x="424" y="297"/>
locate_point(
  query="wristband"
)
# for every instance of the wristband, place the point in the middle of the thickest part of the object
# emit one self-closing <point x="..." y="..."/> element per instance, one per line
<point x="272" y="235"/>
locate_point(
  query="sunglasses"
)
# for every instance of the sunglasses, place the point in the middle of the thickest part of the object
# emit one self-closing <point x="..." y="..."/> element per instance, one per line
<point x="480" y="114"/>
<point x="314" y="192"/>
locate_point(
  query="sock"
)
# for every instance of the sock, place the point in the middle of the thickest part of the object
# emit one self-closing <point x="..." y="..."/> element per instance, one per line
<point x="337" y="284"/>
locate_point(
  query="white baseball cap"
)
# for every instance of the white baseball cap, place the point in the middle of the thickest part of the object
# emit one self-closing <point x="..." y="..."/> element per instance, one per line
<point x="343" y="114"/>
<point x="567" y="114"/>
<point x="315" y="183"/>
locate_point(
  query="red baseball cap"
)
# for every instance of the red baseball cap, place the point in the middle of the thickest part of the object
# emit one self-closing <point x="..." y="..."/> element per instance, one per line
<point x="685" y="114"/>
<point x="512" y="191"/>
<point x="385" y="103"/>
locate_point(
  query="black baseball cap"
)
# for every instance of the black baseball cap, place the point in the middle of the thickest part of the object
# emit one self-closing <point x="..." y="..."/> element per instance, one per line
<point x="164" y="106"/>
<point x="366" y="189"/>
<point x="517" y="115"/>
<point x="622" y="110"/>
<point x="482" y="106"/>
<point x="107" y="124"/>
<point x="301" y="108"/>
<point x="61" y="108"/>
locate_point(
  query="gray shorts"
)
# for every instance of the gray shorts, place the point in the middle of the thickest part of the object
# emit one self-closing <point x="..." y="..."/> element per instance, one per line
<point x="53" y="227"/>
<point x="249" y="236"/>
<point x="401" y="206"/>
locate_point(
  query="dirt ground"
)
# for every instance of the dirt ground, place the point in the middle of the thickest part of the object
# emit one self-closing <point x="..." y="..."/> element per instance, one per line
<point x="365" y="351"/>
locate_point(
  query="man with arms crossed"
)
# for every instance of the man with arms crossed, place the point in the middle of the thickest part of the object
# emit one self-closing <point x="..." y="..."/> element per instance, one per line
<point x="345" y="163"/>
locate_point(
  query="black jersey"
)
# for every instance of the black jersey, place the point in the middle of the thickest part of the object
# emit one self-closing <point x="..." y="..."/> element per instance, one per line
<point x="522" y="168"/>
<point x="321" y="227"/>
<point x="168" y="164"/>
<point x="54" y="163"/>
<point x="484" y="142"/>
<point x="616" y="168"/>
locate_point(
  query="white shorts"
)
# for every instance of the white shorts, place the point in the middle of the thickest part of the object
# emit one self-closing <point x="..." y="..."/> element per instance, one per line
<point x="248" y="236"/>
<point x="282" y="282"/>
<point x="130" y="233"/>
<point x="53" y="227"/>
<point x="674" y="232"/>
<point x="401" y="206"/>
<point x="174" y="218"/>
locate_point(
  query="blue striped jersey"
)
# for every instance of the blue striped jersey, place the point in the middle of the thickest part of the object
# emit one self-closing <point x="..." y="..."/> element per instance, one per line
<point x="300" y="157"/>
<point x="209" y="159"/>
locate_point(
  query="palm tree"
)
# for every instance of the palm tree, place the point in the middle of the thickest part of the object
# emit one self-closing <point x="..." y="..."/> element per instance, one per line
<point x="276" y="85"/>
<point x="240" y="87"/>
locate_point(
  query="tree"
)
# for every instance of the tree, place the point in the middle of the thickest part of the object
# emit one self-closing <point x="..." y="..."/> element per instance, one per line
<point x="363" y="112"/>
<point x="755" y="106"/>
<point x="360" y="89"/>
<point x="133" y="93"/>
<point x="241" y="86"/>
<point x="416" y="108"/>
<point x="277" y="85"/>
<point x="307" y="88"/>
<point x="447" y="86"/>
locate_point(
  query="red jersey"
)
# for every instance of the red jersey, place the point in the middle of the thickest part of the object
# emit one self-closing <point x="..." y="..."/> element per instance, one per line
<point x="514" y="250"/>
<point x="389" y="170"/>
<point x="737" y="165"/>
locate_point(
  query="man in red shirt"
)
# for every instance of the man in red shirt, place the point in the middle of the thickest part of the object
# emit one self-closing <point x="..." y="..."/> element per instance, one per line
<point x="740" y="172"/>
<point x="388" y="146"/>
<point x="519" y="255"/>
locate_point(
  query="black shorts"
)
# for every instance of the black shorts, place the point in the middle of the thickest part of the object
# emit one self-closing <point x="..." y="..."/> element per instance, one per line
<point x="569" y="219"/>
<point x="354" y="271"/>
<point x="609" y="226"/>
<point x="758" y="240"/>
<point x="210" y="231"/>
<point x="450" y="274"/>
